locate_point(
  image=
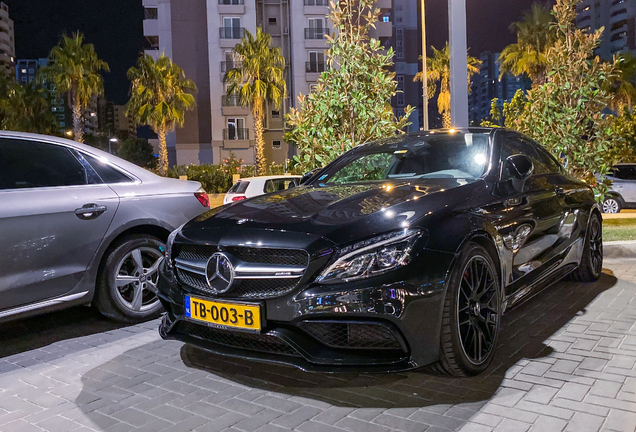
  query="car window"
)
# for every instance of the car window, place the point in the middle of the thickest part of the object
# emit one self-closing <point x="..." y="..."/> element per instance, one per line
<point x="278" y="185"/>
<point x="514" y="144"/>
<point x="625" y="172"/>
<point x="31" y="164"/>
<point x="549" y="162"/>
<point x="239" y="187"/>
<point x="107" y="173"/>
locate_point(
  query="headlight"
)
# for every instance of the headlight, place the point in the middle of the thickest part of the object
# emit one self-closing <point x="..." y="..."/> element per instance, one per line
<point x="169" y="242"/>
<point x="371" y="257"/>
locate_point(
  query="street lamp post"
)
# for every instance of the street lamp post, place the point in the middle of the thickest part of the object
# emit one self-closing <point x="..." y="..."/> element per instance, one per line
<point x="110" y="141"/>
<point x="458" y="63"/>
<point x="424" y="71"/>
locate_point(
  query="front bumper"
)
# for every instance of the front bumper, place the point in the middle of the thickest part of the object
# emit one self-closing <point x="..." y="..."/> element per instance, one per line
<point x="387" y="323"/>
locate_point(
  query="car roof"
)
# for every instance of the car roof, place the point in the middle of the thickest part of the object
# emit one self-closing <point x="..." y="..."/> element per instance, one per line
<point x="282" y="176"/>
<point x="129" y="167"/>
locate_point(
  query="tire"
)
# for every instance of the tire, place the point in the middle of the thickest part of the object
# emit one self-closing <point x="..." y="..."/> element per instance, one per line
<point x="470" y="321"/>
<point x="612" y="205"/>
<point x="591" y="265"/>
<point x="134" y="301"/>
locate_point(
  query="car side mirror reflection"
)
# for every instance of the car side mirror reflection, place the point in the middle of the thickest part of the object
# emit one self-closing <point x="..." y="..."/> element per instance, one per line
<point x="520" y="168"/>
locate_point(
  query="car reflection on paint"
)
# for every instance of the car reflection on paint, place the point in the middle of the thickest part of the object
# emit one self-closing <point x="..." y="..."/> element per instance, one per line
<point x="401" y="253"/>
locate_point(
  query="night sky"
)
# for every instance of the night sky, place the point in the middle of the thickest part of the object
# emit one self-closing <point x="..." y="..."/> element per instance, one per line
<point x="115" y="28"/>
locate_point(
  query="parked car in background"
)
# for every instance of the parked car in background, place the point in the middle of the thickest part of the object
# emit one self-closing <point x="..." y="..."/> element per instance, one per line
<point x="79" y="226"/>
<point x="623" y="192"/>
<point x="401" y="253"/>
<point x="253" y="186"/>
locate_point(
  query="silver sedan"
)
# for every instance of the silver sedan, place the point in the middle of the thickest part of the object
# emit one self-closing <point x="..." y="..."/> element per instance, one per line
<point x="80" y="226"/>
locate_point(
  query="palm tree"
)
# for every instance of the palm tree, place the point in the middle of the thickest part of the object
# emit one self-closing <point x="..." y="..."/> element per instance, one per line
<point x="75" y="69"/>
<point x="25" y="109"/>
<point x="258" y="81"/>
<point x="438" y="71"/>
<point x="535" y="33"/>
<point x="159" y="98"/>
<point x="623" y="87"/>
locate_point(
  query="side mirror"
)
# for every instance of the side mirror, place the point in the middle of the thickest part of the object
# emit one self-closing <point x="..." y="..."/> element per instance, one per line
<point x="520" y="168"/>
<point x="305" y="178"/>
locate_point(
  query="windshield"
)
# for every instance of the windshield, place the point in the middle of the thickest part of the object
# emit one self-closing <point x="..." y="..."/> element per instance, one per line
<point x="455" y="156"/>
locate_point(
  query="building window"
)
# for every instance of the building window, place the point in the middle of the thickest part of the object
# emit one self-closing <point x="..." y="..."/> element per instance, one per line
<point x="276" y="145"/>
<point x="151" y="14"/>
<point x="272" y="20"/>
<point x="275" y="114"/>
<point x="153" y="41"/>
<point x="386" y="18"/>
<point x="398" y="19"/>
<point x="231" y="28"/>
<point x="399" y="43"/>
<point x="316" y="62"/>
<point x="316" y="28"/>
<point x="236" y="129"/>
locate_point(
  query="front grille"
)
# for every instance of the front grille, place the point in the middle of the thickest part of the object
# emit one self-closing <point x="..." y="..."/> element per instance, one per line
<point x="352" y="335"/>
<point x="244" y="288"/>
<point x="249" y="341"/>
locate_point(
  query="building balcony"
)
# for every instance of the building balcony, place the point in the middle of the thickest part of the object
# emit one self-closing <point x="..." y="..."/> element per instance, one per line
<point x="315" y="38"/>
<point x="230" y="36"/>
<point x="313" y="70"/>
<point x="383" y="4"/>
<point x="236" y="138"/>
<point x="230" y="106"/>
<point x="151" y="27"/>
<point x="232" y="7"/>
<point x="316" y="7"/>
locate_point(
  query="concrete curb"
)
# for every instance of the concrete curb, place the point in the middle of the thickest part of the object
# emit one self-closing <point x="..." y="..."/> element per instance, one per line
<point x="619" y="249"/>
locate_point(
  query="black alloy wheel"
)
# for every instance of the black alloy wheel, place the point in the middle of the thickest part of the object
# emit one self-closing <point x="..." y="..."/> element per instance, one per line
<point x="472" y="314"/>
<point x="591" y="265"/>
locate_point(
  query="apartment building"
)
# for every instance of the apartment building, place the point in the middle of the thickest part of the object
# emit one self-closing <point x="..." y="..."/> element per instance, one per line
<point x="200" y="35"/>
<point x="26" y="71"/>
<point x="7" y="42"/>
<point x="487" y="85"/>
<point x="618" y="17"/>
<point x="112" y="120"/>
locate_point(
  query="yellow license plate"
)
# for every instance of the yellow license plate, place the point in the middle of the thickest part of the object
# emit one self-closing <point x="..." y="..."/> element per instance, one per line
<point x="222" y="314"/>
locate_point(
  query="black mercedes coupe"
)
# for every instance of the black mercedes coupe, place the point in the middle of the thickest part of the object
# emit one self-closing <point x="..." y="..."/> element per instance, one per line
<point x="401" y="253"/>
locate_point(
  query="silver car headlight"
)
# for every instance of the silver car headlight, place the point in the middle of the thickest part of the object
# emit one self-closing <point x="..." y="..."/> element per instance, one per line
<point x="371" y="257"/>
<point x="169" y="243"/>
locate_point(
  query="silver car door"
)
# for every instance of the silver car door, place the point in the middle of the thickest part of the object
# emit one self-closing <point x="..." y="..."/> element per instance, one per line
<point x="626" y="183"/>
<point x="54" y="212"/>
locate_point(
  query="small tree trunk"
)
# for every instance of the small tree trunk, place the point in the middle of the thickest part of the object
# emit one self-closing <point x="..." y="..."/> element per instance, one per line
<point x="163" y="151"/>
<point x="446" y="119"/>
<point x="78" y="126"/>
<point x="259" y="159"/>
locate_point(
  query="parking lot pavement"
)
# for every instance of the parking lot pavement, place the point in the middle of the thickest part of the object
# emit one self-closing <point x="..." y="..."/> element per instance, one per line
<point x="566" y="362"/>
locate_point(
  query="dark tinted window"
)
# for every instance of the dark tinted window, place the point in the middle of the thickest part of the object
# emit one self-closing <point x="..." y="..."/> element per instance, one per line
<point x="278" y="185"/>
<point x="239" y="187"/>
<point x="107" y="172"/>
<point x="625" y="172"/>
<point x="542" y="161"/>
<point x="30" y="164"/>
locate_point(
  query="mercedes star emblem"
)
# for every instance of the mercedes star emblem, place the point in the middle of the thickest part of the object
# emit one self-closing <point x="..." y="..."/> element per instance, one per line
<point x="220" y="272"/>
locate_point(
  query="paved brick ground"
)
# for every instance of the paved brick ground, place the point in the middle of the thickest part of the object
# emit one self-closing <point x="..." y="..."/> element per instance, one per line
<point x="566" y="362"/>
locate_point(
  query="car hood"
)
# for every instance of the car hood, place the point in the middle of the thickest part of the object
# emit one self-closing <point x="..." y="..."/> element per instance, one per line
<point x="339" y="213"/>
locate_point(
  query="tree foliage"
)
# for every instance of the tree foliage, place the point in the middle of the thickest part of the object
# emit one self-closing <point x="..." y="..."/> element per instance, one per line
<point x="159" y="98"/>
<point x="138" y="151"/>
<point x="351" y="105"/>
<point x="25" y="108"/>
<point x="438" y="78"/>
<point x="75" y="69"/>
<point x="565" y="113"/>
<point x="258" y="80"/>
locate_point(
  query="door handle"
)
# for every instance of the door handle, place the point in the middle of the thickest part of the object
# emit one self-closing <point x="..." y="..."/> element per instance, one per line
<point x="559" y="191"/>
<point x="90" y="211"/>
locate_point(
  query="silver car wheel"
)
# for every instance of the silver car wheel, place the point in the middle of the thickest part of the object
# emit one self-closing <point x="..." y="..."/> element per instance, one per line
<point x="610" y="205"/>
<point x="136" y="279"/>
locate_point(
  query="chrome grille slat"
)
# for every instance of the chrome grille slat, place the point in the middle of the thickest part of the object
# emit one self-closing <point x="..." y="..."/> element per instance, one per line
<point x="260" y="272"/>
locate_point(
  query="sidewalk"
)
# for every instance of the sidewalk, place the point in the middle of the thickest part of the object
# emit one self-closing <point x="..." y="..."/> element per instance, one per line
<point x="566" y="362"/>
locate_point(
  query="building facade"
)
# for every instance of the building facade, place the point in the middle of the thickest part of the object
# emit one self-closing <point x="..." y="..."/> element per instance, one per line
<point x="200" y="35"/>
<point x="487" y="85"/>
<point x="26" y="71"/>
<point x="7" y="42"/>
<point x="618" y="17"/>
